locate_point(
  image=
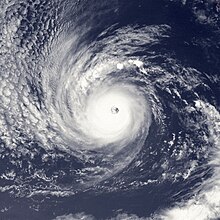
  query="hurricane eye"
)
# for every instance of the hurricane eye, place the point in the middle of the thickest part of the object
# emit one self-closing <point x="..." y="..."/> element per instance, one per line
<point x="114" y="110"/>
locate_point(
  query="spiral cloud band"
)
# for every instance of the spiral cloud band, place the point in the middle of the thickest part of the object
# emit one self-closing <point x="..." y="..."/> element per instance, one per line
<point x="103" y="111"/>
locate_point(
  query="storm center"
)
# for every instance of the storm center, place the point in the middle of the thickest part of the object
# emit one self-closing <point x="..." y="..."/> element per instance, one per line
<point x="114" y="110"/>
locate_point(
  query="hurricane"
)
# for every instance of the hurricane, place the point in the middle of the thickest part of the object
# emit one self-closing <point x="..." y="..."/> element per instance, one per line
<point x="109" y="109"/>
